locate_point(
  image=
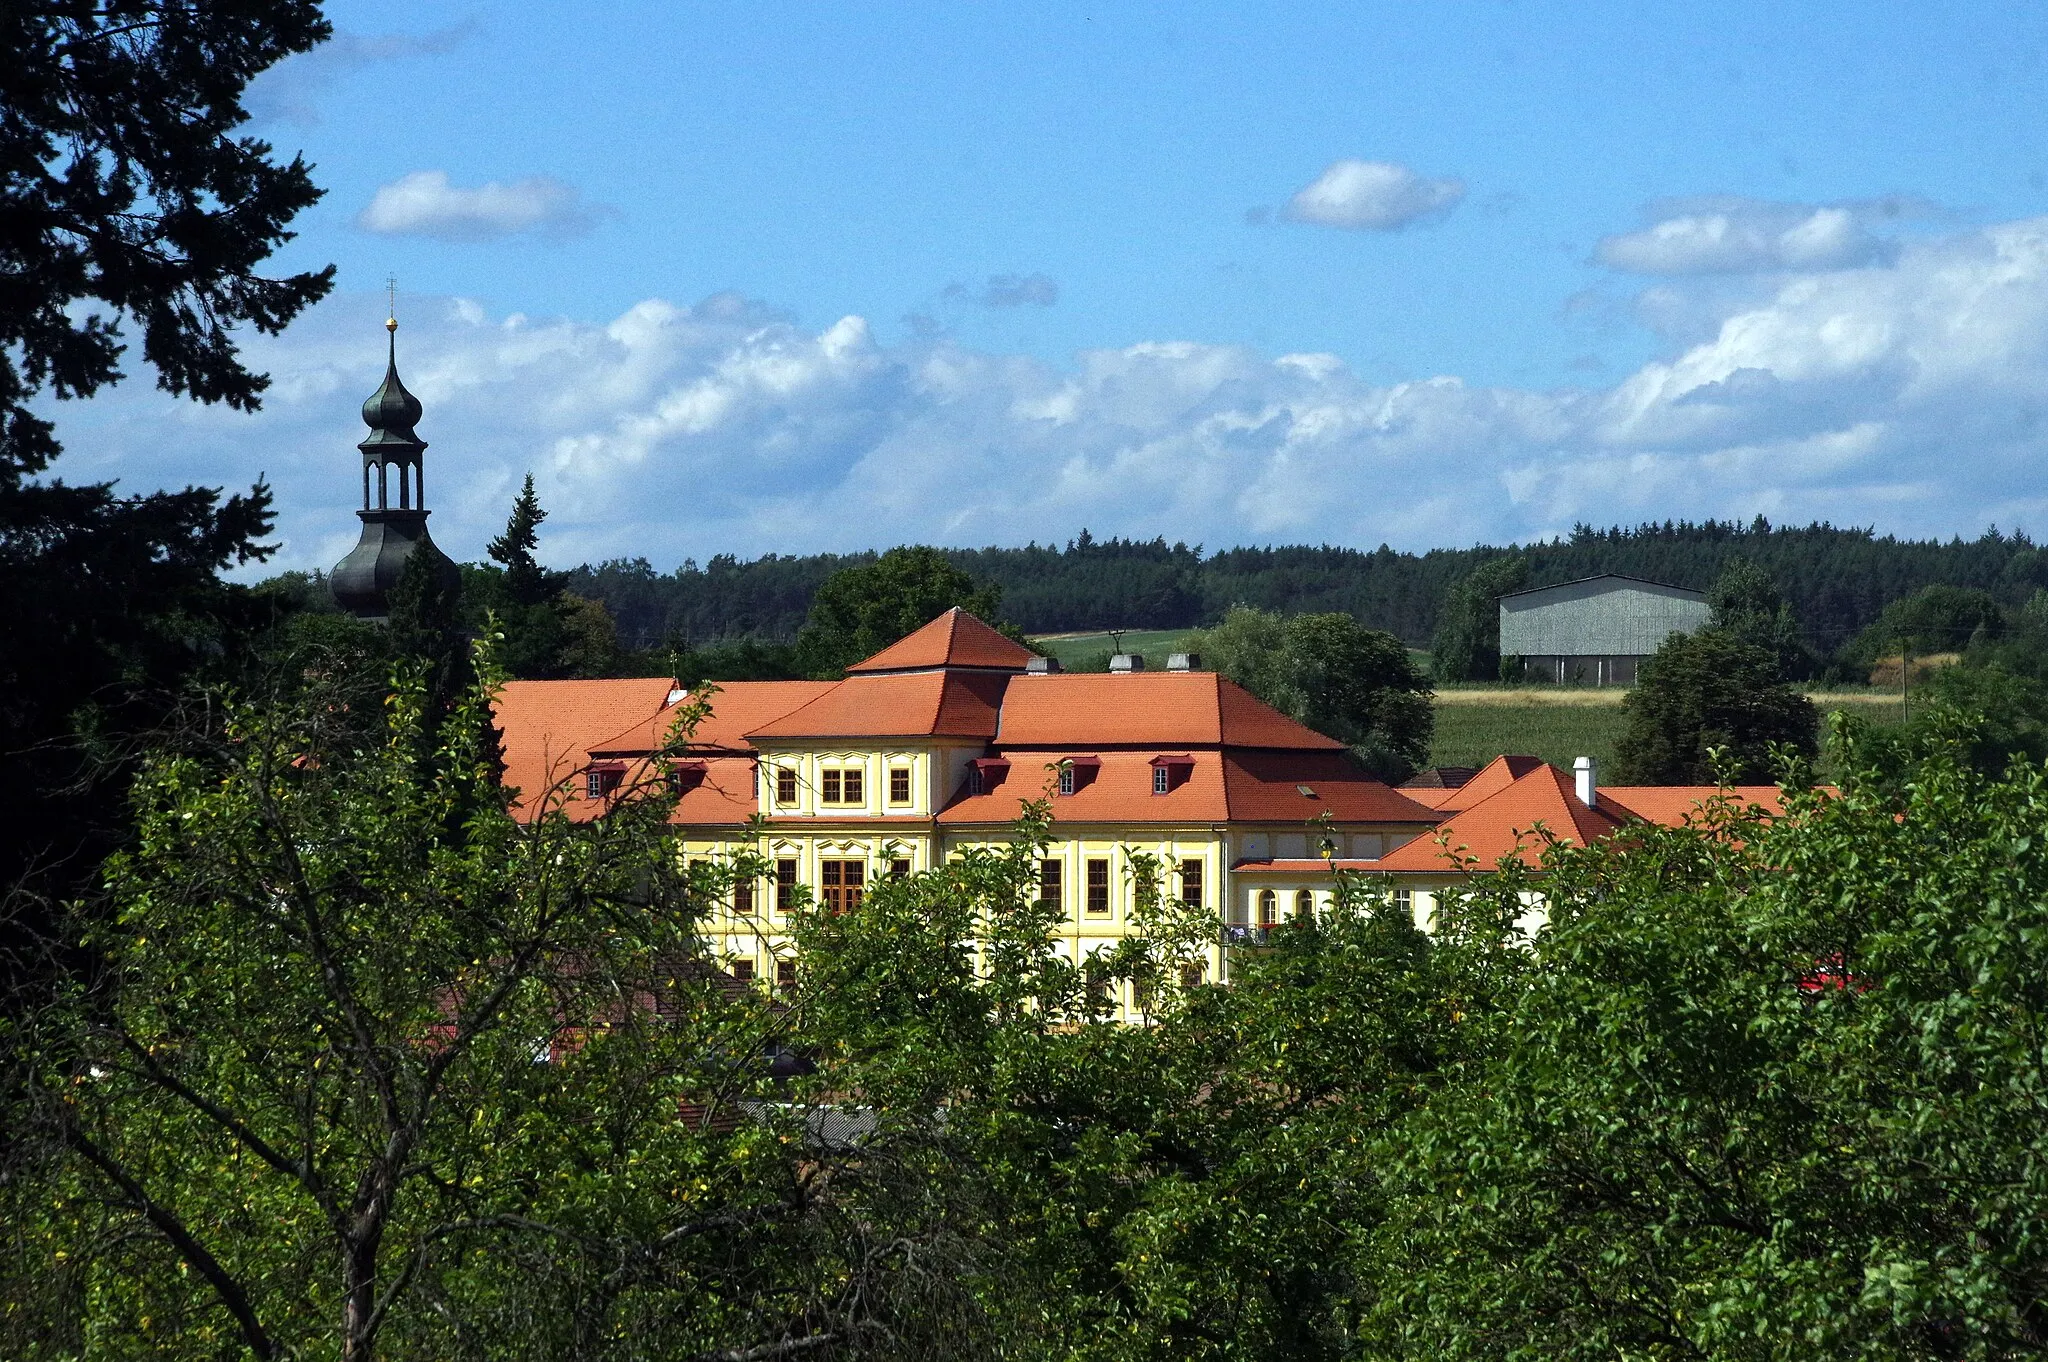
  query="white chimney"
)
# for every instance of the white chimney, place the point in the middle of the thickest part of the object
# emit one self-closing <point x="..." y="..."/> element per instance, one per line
<point x="1582" y="776"/>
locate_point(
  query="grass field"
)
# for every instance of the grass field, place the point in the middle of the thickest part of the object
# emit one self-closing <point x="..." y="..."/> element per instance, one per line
<point x="1073" y="649"/>
<point x="1473" y="726"/>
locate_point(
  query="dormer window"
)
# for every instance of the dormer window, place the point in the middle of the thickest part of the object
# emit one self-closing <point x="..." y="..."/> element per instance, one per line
<point x="842" y="786"/>
<point x="985" y="773"/>
<point x="1170" y="773"/>
<point x="1077" y="772"/>
<point x="600" y="781"/>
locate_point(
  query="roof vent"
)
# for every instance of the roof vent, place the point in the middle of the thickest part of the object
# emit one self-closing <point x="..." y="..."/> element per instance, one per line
<point x="1127" y="662"/>
<point x="1042" y="666"/>
<point x="1183" y="662"/>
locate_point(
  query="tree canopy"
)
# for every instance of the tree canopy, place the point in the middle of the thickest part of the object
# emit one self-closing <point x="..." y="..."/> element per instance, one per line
<point x="128" y="197"/>
<point x="1466" y="644"/>
<point x="1356" y="684"/>
<point x="1705" y="693"/>
<point x="859" y="611"/>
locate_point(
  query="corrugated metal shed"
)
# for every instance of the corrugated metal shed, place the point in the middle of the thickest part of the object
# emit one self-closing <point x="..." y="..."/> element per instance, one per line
<point x="1598" y="616"/>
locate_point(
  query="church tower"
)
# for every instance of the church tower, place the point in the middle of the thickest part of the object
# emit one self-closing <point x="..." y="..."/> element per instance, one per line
<point x="395" y="522"/>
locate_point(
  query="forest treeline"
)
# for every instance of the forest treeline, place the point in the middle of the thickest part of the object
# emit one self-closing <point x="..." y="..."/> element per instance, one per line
<point x="1836" y="579"/>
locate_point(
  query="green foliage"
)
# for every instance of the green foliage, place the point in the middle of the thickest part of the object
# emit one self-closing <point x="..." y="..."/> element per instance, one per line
<point x="1747" y="604"/>
<point x="1466" y="644"/>
<point x="547" y="633"/>
<point x="130" y="197"/>
<point x="861" y="610"/>
<point x="1356" y="684"/>
<point x="375" y="1068"/>
<point x="1709" y="693"/>
<point x="1836" y="579"/>
<point x="1934" y="619"/>
<point x="526" y="582"/>
<point x="1763" y="1095"/>
<point x="128" y="191"/>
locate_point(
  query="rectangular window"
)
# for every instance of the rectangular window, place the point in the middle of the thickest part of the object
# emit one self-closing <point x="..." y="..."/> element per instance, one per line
<point x="785" y="974"/>
<point x="743" y="896"/>
<point x="1404" y="899"/>
<point x="1098" y="886"/>
<point x="785" y="786"/>
<point x="1049" y="885"/>
<point x="785" y="885"/>
<point x="1191" y="975"/>
<point x="1066" y="780"/>
<point x="828" y="787"/>
<point x="1162" y="780"/>
<point x="743" y="970"/>
<point x="598" y="784"/>
<point x="854" y="788"/>
<point x="899" y="785"/>
<point x="1191" y="883"/>
<point x="845" y="881"/>
<point x="898" y="869"/>
<point x="754" y="780"/>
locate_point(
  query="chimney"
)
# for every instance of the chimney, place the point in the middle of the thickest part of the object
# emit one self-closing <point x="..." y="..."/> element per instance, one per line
<point x="1183" y="662"/>
<point x="1041" y="666"/>
<point x="1582" y="777"/>
<point x="1127" y="662"/>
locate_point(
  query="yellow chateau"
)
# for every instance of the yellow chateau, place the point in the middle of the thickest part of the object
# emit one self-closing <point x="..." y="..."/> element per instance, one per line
<point x="935" y="743"/>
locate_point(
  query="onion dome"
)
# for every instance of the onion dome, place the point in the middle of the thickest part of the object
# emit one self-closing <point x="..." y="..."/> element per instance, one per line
<point x="391" y="412"/>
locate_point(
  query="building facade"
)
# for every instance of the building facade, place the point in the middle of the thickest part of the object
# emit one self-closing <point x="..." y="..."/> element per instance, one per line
<point x="1595" y="631"/>
<point x="935" y="744"/>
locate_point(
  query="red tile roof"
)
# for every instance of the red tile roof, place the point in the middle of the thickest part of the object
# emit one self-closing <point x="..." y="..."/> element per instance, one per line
<point x="548" y="727"/>
<point x="724" y="796"/>
<point x="1676" y="805"/>
<point x="1220" y="787"/>
<point x="1505" y="823"/>
<point x="1146" y="709"/>
<point x="1493" y="777"/>
<point x="737" y="708"/>
<point x="898" y="705"/>
<point x="954" y="639"/>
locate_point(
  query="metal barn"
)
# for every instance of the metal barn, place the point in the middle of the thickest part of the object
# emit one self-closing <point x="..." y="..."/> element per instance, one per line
<point x="1595" y="630"/>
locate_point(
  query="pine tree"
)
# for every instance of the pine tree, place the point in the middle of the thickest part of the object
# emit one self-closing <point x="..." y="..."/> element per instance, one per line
<point x="526" y="581"/>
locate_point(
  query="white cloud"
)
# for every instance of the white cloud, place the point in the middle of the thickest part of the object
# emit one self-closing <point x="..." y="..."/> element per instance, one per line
<point x="1911" y="397"/>
<point x="1373" y="196"/>
<point x="424" y="203"/>
<point x="292" y="91"/>
<point x="1740" y="236"/>
<point x="1010" y="290"/>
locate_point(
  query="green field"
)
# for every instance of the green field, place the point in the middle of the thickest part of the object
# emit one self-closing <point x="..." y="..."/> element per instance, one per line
<point x="1075" y="651"/>
<point x="1471" y="730"/>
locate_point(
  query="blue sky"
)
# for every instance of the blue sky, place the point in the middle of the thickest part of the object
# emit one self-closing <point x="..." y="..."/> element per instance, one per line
<point x="793" y="276"/>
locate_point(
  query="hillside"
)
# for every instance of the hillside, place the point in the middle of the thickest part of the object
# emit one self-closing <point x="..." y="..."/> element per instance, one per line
<point x="1837" y="579"/>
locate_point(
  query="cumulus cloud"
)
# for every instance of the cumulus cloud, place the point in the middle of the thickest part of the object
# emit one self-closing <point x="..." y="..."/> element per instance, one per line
<point x="1740" y="236"/>
<point x="291" y="91"/>
<point x="1909" y="397"/>
<point x="424" y="203"/>
<point x="1010" y="290"/>
<point x="1373" y="196"/>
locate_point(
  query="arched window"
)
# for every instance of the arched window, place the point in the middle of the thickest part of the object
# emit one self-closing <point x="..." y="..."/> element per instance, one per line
<point x="1304" y="904"/>
<point x="1269" y="907"/>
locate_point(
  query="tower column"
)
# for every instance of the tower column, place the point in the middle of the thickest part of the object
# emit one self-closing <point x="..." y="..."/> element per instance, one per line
<point x="393" y="532"/>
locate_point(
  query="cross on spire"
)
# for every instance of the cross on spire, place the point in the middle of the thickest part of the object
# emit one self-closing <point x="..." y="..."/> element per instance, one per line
<point x="391" y="296"/>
